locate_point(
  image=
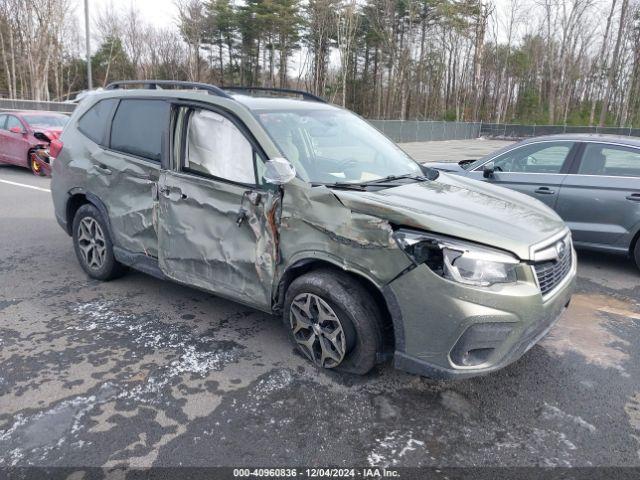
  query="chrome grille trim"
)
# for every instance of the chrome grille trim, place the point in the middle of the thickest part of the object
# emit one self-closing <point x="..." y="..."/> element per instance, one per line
<point x="553" y="265"/>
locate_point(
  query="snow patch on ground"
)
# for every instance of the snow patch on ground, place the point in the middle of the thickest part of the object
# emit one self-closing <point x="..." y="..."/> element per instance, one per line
<point x="277" y="380"/>
<point x="393" y="448"/>
<point x="49" y="429"/>
<point x="197" y="354"/>
<point x="199" y="362"/>
<point x="550" y="412"/>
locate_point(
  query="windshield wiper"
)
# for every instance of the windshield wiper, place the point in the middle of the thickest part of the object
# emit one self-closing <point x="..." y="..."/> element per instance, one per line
<point x="390" y="178"/>
<point x="343" y="185"/>
<point x="379" y="182"/>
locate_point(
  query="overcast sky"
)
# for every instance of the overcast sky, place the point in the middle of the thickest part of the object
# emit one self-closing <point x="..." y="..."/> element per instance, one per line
<point x="163" y="13"/>
<point x="156" y="12"/>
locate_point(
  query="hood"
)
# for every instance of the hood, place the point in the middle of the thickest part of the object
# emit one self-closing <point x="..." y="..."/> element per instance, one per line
<point x="463" y="208"/>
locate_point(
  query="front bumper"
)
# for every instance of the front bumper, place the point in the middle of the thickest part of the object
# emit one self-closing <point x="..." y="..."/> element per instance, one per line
<point x="448" y="330"/>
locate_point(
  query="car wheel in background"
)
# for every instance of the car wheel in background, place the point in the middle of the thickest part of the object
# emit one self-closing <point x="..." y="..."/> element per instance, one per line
<point x="333" y="321"/>
<point x="35" y="167"/>
<point x="636" y="253"/>
<point x="93" y="245"/>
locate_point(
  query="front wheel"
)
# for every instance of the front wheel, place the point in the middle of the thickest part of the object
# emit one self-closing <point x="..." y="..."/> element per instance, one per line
<point x="93" y="245"/>
<point x="35" y="167"/>
<point x="333" y="321"/>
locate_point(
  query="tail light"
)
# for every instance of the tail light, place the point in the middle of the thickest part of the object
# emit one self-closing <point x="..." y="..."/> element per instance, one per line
<point x="55" y="147"/>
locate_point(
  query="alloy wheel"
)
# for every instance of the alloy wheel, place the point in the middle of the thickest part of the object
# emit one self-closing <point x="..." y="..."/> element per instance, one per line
<point x="35" y="166"/>
<point x="91" y="242"/>
<point x="317" y="329"/>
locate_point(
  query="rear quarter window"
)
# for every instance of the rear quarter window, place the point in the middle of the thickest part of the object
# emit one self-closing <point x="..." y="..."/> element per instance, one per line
<point x="610" y="160"/>
<point x="94" y="121"/>
<point x="138" y="127"/>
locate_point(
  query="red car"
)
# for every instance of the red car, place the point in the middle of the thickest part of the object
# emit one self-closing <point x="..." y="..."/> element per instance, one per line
<point x="25" y="138"/>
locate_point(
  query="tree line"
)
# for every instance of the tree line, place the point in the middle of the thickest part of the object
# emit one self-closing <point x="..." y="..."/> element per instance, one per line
<point x="573" y="62"/>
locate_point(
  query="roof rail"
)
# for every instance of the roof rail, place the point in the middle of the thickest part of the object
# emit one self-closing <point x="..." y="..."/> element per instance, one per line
<point x="154" y="84"/>
<point x="305" y="95"/>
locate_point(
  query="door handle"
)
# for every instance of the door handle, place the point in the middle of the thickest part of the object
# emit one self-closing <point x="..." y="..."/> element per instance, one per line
<point x="544" y="191"/>
<point x="253" y="198"/>
<point x="172" y="193"/>
<point x="103" y="169"/>
<point x="634" y="197"/>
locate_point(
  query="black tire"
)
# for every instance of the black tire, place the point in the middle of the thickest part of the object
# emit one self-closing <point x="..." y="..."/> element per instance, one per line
<point x="354" y="307"/>
<point x="636" y="253"/>
<point x="109" y="268"/>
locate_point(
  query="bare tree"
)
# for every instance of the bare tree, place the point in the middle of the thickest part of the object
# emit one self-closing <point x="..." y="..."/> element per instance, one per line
<point x="613" y="69"/>
<point x="347" y="25"/>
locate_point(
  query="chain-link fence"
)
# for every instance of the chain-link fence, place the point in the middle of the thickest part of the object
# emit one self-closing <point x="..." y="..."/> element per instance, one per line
<point x="503" y="130"/>
<point x="423" y="131"/>
<point x="403" y="131"/>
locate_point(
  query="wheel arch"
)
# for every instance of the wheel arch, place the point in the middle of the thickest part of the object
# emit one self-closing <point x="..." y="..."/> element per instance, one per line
<point x="309" y="264"/>
<point x="79" y="197"/>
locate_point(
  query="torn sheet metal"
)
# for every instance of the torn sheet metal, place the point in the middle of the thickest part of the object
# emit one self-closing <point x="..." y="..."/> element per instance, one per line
<point x="315" y="224"/>
<point x="126" y="187"/>
<point x="219" y="237"/>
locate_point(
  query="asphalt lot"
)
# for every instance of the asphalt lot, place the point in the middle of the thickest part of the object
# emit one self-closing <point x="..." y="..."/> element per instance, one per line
<point x="142" y="372"/>
<point x="452" y="150"/>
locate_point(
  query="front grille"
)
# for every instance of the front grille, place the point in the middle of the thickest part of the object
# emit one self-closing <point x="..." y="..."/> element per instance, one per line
<point x="552" y="272"/>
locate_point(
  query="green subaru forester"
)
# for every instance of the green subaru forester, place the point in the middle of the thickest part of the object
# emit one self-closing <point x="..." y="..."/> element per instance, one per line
<point x="280" y="201"/>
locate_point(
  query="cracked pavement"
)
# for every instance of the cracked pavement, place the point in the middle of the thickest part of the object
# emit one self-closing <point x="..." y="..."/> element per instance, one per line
<point x="141" y="372"/>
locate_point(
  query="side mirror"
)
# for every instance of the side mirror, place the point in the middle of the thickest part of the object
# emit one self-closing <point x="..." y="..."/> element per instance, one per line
<point x="279" y="171"/>
<point x="488" y="169"/>
<point x="19" y="130"/>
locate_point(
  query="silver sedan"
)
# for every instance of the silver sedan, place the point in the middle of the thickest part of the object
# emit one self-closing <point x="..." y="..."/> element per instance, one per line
<point x="591" y="181"/>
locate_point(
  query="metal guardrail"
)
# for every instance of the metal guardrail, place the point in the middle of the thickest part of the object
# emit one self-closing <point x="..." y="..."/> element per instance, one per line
<point x="505" y="130"/>
<point x="11" y="104"/>
<point x="402" y="131"/>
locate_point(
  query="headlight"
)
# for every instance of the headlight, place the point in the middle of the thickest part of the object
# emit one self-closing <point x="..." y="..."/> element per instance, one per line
<point x="457" y="260"/>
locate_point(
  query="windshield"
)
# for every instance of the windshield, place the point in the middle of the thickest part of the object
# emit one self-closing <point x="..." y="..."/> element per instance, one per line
<point x="46" y="121"/>
<point x="330" y="146"/>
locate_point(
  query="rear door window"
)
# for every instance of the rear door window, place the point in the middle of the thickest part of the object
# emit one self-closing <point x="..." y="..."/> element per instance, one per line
<point x="94" y="122"/>
<point x="138" y="127"/>
<point x="610" y="160"/>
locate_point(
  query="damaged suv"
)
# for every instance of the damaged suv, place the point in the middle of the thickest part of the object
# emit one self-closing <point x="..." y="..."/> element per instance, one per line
<point x="302" y="209"/>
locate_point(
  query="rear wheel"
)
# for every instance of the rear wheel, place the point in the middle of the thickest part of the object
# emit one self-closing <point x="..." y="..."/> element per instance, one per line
<point x="636" y="253"/>
<point x="333" y="321"/>
<point x="93" y="246"/>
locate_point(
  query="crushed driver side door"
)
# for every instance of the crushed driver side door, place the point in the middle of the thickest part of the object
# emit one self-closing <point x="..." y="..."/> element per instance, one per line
<point x="217" y="225"/>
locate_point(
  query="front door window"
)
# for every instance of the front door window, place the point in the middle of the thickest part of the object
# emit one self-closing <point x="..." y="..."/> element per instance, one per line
<point x="547" y="157"/>
<point x="217" y="148"/>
